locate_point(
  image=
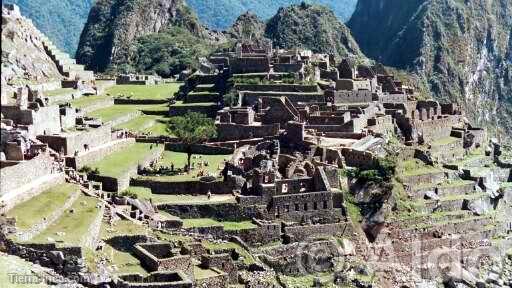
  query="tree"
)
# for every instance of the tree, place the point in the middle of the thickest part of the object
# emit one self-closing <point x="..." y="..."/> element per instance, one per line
<point x="192" y="128"/>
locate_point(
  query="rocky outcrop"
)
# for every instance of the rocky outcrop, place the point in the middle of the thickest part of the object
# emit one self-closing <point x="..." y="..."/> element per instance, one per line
<point x="247" y="26"/>
<point x="461" y="49"/>
<point x="114" y="25"/>
<point x="313" y="27"/>
<point x="24" y="59"/>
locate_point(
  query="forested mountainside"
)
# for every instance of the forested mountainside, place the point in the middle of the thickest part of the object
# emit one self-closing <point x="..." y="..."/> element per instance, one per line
<point x="313" y="27"/>
<point x="164" y="36"/>
<point x="221" y="14"/>
<point x="63" y="21"/>
<point x="110" y="37"/>
<point x="461" y="49"/>
<point x="60" y="20"/>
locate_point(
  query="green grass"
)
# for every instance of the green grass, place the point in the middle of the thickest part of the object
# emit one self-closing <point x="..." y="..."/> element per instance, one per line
<point x="117" y="163"/>
<point x="180" y="160"/>
<point x="208" y="222"/>
<point x="117" y="111"/>
<point x="181" y="104"/>
<point x="86" y="101"/>
<point x="200" y="222"/>
<point x="201" y="273"/>
<point x="75" y="225"/>
<point x="145" y="193"/>
<point x="58" y="92"/>
<point x="154" y="124"/>
<point x="11" y="264"/>
<point x="43" y="205"/>
<point x="416" y="167"/>
<point x="248" y="259"/>
<point x="445" y="141"/>
<point x="139" y="92"/>
<point x="234" y="226"/>
<point x="122" y="227"/>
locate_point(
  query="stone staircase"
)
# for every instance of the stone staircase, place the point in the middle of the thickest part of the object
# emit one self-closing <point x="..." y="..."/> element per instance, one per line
<point x="67" y="66"/>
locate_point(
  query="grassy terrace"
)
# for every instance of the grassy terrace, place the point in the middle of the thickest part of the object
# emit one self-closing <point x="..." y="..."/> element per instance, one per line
<point x="248" y="259"/>
<point x="117" y="111"/>
<point x="445" y="141"/>
<point x="180" y="160"/>
<point x="139" y="92"/>
<point x="58" y="92"/>
<point x="43" y="205"/>
<point x="86" y="101"/>
<point x="445" y="184"/>
<point x="181" y="104"/>
<point x="416" y="168"/>
<point x="208" y="222"/>
<point x="74" y="225"/>
<point x="119" y="162"/>
<point x="201" y="273"/>
<point x="145" y="193"/>
<point x="154" y="124"/>
<point x="12" y="264"/>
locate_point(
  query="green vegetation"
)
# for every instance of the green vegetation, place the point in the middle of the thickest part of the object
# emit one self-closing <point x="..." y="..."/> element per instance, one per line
<point x="145" y="193"/>
<point x="416" y="167"/>
<point x="153" y="124"/>
<point x="86" y="101"/>
<point x="201" y="273"/>
<point x="220" y="14"/>
<point x="208" y="222"/>
<point x="445" y="141"/>
<point x="41" y="206"/>
<point x="248" y="259"/>
<point x="117" y="111"/>
<point x="320" y="30"/>
<point x="12" y="264"/>
<point x="74" y="224"/>
<point x="169" y="52"/>
<point x="138" y="92"/>
<point x="180" y="160"/>
<point x="58" y="92"/>
<point x="192" y="128"/>
<point x="121" y="161"/>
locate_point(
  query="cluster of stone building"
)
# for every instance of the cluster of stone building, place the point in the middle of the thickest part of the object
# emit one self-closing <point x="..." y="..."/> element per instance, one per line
<point x="294" y="119"/>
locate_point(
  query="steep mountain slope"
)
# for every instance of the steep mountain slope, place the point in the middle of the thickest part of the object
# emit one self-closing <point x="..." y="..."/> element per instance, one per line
<point x="247" y="25"/>
<point x="108" y="38"/>
<point x="60" y="20"/>
<point x="461" y="49"/>
<point x="24" y="59"/>
<point x="220" y="14"/>
<point x="311" y="26"/>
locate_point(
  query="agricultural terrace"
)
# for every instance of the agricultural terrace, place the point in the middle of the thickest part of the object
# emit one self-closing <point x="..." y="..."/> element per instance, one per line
<point x="117" y="163"/>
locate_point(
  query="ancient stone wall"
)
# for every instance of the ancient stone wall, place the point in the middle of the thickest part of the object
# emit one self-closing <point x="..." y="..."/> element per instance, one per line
<point x="301" y="233"/>
<point x="222" y="262"/>
<point x="27" y="179"/>
<point x="100" y="104"/>
<point x="121" y="183"/>
<point x="229" y="132"/>
<point x="250" y="98"/>
<point x="295" y="206"/>
<point x="202" y="149"/>
<point x="210" y="111"/>
<point x="277" y="88"/>
<point x="220" y="280"/>
<point x="178" y="188"/>
<point x="70" y="143"/>
<point x="99" y="153"/>
<point x="245" y="65"/>
<point x="359" y="159"/>
<point x="358" y="96"/>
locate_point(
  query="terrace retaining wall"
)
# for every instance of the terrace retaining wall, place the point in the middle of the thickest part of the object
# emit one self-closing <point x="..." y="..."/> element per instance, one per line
<point x="121" y="183"/>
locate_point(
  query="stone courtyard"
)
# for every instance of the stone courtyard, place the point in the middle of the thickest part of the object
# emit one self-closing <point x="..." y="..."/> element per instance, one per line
<point x="324" y="173"/>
